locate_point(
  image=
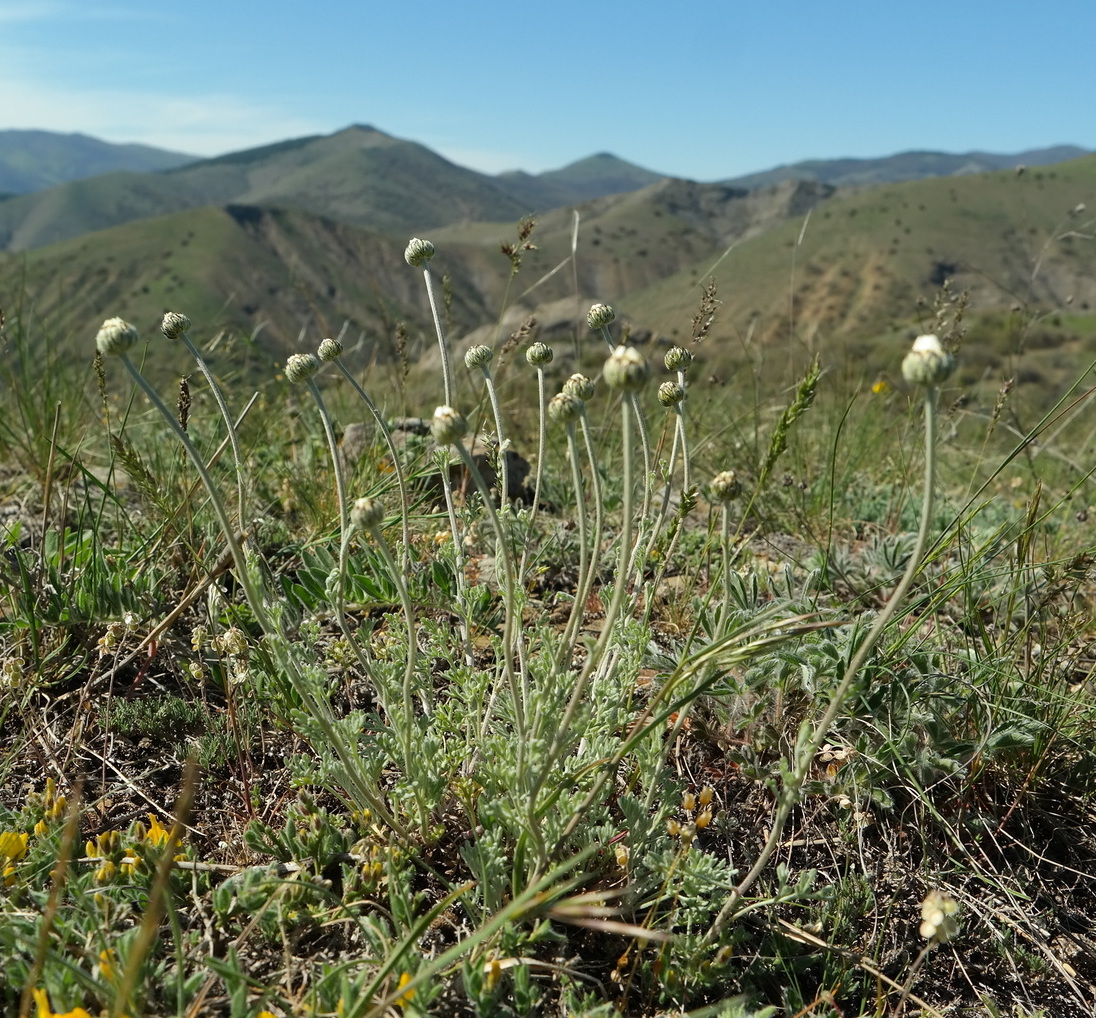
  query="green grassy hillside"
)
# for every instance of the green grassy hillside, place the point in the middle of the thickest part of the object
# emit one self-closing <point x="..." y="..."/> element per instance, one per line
<point x="33" y="160"/>
<point x="849" y="282"/>
<point x="359" y="176"/>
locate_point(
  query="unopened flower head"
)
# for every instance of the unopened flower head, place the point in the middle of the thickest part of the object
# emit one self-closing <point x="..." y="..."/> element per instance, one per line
<point x="725" y="486"/>
<point x="677" y="359"/>
<point x="115" y="336"/>
<point x="418" y="252"/>
<point x="539" y="354"/>
<point x="564" y="408"/>
<point x="600" y="315"/>
<point x="478" y="356"/>
<point x="928" y="363"/>
<point x="329" y="349"/>
<point x="670" y="394"/>
<point x="300" y="367"/>
<point x="579" y="386"/>
<point x="626" y="369"/>
<point x="174" y="325"/>
<point x="366" y="514"/>
<point x="448" y="426"/>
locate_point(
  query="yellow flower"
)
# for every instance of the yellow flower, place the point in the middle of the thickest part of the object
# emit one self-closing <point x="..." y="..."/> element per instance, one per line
<point x="13" y="845"/>
<point x="45" y="1011"/>
<point x="405" y="998"/>
<point x="880" y="388"/>
<point x="108" y="965"/>
<point x="157" y="833"/>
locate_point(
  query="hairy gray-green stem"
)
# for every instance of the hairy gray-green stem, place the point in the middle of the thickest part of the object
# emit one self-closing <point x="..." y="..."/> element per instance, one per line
<point x="359" y="790"/>
<point x="397" y="469"/>
<point x="446" y="369"/>
<point x="805" y="752"/>
<point x="241" y="485"/>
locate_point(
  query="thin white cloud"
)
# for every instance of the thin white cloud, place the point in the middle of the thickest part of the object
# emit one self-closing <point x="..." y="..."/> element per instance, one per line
<point x="489" y="160"/>
<point x="199" y="125"/>
<point x="39" y="10"/>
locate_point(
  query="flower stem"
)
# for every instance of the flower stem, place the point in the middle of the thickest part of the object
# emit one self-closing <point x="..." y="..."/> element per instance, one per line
<point x="806" y="751"/>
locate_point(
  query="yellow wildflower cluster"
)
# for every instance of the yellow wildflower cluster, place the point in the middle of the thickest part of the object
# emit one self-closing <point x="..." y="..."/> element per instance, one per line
<point x="695" y="821"/>
<point x="114" y="857"/>
<point x="41" y="1000"/>
<point x="13" y="846"/>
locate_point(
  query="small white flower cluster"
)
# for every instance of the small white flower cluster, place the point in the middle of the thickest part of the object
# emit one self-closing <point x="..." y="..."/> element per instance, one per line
<point x="938" y="922"/>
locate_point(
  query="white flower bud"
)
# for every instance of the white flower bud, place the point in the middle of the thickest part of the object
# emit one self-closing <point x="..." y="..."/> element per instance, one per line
<point x="478" y="356"/>
<point x="677" y="359"/>
<point x="600" y="315"/>
<point x="115" y="337"/>
<point x="564" y="408"/>
<point x="725" y="486"/>
<point x="626" y="369"/>
<point x="539" y="354"/>
<point x="418" y="252"/>
<point x="174" y="325"/>
<point x="670" y="394"/>
<point x="300" y="367"/>
<point x="448" y="426"/>
<point x="366" y="514"/>
<point x="928" y="363"/>
<point x="329" y="349"/>
<point x="579" y="386"/>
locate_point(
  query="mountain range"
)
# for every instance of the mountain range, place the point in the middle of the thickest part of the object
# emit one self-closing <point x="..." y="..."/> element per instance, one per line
<point x="267" y="245"/>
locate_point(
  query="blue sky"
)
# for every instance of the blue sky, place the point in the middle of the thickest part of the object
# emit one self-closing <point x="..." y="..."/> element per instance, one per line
<point x="705" y="91"/>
